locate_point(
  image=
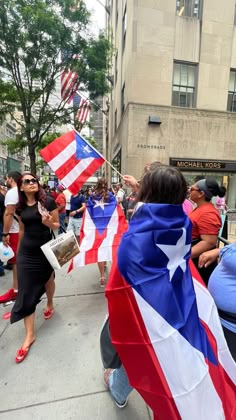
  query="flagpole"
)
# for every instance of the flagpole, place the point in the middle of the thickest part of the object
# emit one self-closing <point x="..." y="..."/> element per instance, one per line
<point x="92" y="147"/>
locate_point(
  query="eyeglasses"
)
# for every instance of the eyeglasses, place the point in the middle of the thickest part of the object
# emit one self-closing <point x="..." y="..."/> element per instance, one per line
<point x="194" y="189"/>
<point x="29" y="181"/>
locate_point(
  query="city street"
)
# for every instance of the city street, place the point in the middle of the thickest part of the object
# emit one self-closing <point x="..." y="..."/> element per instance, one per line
<point x="61" y="378"/>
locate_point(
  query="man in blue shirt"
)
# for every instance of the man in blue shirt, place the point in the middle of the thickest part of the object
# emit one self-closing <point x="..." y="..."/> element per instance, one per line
<point x="77" y="207"/>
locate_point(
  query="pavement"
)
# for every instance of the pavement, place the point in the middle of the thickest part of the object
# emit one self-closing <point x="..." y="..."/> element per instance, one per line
<point x="61" y="378"/>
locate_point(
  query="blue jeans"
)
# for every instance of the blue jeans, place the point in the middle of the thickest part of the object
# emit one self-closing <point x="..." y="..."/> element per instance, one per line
<point x="119" y="385"/>
<point x="62" y="227"/>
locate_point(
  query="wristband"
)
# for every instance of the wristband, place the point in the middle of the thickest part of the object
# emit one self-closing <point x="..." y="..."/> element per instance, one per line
<point x="5" y="234"/>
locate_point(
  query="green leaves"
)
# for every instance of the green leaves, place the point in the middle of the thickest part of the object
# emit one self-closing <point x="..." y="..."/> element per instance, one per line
<point x="33" y="34"/>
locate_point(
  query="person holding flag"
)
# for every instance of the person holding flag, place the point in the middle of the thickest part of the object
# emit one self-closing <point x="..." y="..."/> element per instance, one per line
<point x="159" y="313"/>
<point x="101" y="197"/>
<point x="102" y="227"/>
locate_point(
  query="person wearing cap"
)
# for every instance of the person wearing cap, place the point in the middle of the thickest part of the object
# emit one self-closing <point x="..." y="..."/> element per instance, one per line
<point x="206" y="221"/>
<point x="61" y="204"/>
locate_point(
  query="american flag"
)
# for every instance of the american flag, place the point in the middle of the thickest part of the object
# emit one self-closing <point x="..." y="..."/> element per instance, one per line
<point x="102" y="227"/>
<point x="69" y="80"/>
<point x="82" y="108"/>
<point x="72" y="159"/>
<point x="162" y="315"/>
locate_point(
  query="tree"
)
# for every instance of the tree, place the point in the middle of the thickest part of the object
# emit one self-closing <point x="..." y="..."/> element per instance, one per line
<point x="38" y="40"/>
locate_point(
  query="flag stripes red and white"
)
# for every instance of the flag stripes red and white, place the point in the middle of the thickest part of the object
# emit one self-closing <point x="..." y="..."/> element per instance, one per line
<point x="83" y="111"/>
<point x="190" y="383"/>
<point x="60" y="155"/>
<point x="69" y="83"/>
<point x="95" y="247"/>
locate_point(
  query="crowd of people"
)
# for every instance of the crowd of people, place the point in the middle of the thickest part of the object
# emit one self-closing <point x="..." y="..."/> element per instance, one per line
<point x="30" y="212"/>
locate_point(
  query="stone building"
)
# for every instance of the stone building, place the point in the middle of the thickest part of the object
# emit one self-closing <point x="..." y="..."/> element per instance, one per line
<point x="174" y="90"/>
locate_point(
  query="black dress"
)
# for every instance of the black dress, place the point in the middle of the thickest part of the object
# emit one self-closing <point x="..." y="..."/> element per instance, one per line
<point x="33" y="269"/>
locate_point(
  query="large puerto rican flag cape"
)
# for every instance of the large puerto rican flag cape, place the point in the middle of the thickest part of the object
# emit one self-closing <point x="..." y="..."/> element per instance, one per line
<point x="164" y="323"/>
<point x="102" y="227"/>
<point x="72" y="159"/>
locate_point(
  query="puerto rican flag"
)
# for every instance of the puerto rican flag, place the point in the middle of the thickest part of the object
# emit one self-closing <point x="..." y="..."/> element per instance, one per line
<point x="102" y="228"/>
<point x="72" y="159"/>
<point x="164" y="323"/>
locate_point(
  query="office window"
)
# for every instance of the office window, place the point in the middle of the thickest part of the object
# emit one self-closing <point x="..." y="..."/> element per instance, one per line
<point x="188" y="8"/>
<point x="184" y="80"/>
<point x="231" y="106"/>
<point x="115" y="120"/>
<point x="117" y="13"/>
<point x="123" y="99"/>
<point x="116" y="67"/>
<point x="124" y="27"/>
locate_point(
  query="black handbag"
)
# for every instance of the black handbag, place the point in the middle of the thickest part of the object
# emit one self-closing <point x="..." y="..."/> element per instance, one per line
<point x="109" y="355"/>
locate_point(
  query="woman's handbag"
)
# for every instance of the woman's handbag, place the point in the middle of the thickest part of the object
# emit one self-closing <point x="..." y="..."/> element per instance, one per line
<point x="61" y="249"/>
<point x="109" y="355"/>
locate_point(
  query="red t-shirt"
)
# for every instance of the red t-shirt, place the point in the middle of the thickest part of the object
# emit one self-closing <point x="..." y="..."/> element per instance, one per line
<point x="61" y="201"/>
<point x="206" y="221"/>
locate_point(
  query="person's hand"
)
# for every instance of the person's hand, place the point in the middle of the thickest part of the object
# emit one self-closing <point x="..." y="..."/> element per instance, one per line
<point x="6" y="240"/>
<point x="72" y="213"/>
<point x="130" y="181"/>
<point x="208" y="257"/>
<point x="47" y="220"/>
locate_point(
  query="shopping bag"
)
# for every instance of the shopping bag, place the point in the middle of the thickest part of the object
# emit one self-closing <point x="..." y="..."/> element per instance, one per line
<point x="6" y="252"/>
<point x="62" y="249"/>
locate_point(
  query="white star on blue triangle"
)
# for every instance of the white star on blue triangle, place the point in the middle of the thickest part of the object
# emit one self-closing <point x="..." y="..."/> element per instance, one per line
<point x="100" y="203"/>
<point x="176" y="254"/>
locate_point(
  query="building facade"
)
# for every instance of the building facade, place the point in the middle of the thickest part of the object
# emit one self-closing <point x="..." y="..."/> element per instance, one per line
<point x="174" y="91"/>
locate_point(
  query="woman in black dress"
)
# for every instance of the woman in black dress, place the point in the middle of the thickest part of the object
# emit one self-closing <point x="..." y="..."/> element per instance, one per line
<point x="38" y="215"/>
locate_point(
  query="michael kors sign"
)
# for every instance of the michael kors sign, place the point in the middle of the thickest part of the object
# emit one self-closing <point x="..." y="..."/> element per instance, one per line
<point x="202" y="164"/>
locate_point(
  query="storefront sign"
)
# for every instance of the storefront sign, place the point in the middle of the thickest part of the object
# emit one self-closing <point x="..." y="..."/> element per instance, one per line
<point x="151" y="146"/>
<point x="203" y="165"/>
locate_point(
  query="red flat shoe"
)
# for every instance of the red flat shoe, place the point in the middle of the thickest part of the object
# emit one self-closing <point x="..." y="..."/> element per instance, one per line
<point x="22" y="353"/>
<point x="48" y="313"/>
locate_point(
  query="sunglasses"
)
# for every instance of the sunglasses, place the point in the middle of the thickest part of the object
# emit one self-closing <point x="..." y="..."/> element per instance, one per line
<point x="28" y="181"/>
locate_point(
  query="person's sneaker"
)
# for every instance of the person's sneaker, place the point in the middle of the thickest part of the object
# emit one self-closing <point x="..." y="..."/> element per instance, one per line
<point x="9" y="295"/>
<point x="107" y="373"/>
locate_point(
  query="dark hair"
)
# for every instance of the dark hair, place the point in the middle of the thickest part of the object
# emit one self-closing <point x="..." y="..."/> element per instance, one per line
<point x="14" y="175"/>
<point x="214" y="188"/>
<point x="101" y="189"/>
<point x="164" y="185"/>
<point x="40" y="195"/>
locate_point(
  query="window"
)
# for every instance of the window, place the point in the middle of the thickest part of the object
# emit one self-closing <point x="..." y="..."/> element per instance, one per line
<point x="231" y="106"/>
<point x="116" y="67"/>
<point x="115" y="120"/>
<point x="184" y="80"/>
<point x="117" y="13"/>
<point x="116" y="162"/>
<point x="123" y="99"/>
<point x="124" y="27"/>
<point x="188" y="8"/>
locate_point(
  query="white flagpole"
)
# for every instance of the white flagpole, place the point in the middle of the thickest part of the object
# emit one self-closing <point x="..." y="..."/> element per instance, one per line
<point x="90" y="145"/>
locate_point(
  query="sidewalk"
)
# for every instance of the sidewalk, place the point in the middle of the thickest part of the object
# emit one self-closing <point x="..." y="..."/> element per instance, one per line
<point x="61" y="379"/>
